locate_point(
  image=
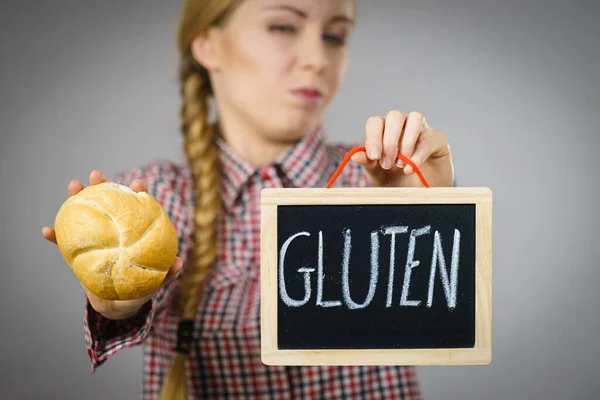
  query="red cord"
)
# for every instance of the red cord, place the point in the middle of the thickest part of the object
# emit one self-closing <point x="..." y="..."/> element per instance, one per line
<point x="362" y="148"/>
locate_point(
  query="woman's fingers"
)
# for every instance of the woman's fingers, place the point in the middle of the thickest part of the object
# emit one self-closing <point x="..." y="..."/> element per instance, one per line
<point x="412" y="130"/>
<point x="431" y="143"/>
<point x="422" y="152"/>
<point x="49" y="234"/>
<point x="394" y="122"/>
<point x="374" y="132"/>
<point x="174" y="270"/>
<point x="97" y="177"/>
<point x="138" y="185"/>
<point x="74" y="187"/>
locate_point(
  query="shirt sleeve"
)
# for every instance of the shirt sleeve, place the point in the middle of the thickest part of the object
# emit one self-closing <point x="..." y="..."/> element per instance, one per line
<point x="104" y="337"/>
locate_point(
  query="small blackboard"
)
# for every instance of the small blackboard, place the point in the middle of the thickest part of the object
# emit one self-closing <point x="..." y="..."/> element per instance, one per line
<point x="364" y="276"/>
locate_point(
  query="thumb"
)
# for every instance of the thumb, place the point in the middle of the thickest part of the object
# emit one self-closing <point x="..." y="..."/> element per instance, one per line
<point x="174" y="270"/>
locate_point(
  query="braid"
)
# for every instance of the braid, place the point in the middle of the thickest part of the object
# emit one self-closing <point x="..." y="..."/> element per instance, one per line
<point x="202" y="154"/>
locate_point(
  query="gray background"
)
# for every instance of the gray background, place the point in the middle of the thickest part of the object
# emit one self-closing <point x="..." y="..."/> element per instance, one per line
<point x="514" y="84"/>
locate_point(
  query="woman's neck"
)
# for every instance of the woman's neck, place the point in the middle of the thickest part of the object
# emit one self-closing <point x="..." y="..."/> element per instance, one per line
<point x="255" y="148"/>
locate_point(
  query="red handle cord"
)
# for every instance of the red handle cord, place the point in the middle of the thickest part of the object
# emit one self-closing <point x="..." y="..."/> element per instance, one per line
<point x="362" y="148"/>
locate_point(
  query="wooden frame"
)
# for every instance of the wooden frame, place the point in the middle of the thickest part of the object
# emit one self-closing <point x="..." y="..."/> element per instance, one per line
<point x="482" y="351"/>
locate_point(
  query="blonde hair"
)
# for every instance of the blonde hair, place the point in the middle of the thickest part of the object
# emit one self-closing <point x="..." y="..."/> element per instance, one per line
<point x="201" y="151"/>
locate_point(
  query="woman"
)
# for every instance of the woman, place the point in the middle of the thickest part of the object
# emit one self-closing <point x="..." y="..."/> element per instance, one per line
<point x="272" y="67"/>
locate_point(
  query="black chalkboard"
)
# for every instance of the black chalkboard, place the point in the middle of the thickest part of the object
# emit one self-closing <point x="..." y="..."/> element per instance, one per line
<point x="421" y="316"/>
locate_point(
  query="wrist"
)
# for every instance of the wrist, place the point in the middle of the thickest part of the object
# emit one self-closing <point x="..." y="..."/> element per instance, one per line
<point x="123" y="314"/>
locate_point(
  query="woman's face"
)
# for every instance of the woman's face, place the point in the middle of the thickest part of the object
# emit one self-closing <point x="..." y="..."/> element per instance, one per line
<point x="277" y="64"/>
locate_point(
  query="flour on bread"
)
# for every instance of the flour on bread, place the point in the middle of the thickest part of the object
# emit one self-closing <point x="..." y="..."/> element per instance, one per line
<point x="123" y="189"/>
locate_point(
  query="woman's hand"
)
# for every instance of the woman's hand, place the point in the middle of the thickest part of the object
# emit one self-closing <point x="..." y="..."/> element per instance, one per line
<point x="413" y="138"/>
<point x="119" y="309"/>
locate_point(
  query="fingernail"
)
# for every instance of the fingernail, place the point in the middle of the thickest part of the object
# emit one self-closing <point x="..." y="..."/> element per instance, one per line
<point x="409" y="169"/>
<point x="400" y="164"/>
<point x="386" y="163"/>
<point x="374" y="153"/>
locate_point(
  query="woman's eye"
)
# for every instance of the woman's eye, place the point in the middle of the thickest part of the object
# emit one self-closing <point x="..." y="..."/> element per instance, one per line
<point x="334" y="39"/>
<point x="282" y="28"/>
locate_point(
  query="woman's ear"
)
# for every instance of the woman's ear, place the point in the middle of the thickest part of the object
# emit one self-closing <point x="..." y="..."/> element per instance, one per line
<point x="203" y="50"/>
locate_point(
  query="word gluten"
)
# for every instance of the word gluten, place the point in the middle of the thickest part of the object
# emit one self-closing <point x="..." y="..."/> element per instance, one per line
<point x="437" y="267"/>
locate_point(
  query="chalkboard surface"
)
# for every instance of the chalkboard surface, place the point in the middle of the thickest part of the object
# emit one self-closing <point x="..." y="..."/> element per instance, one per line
<point x="376" y="276"/>
<point x="335" y="287"/>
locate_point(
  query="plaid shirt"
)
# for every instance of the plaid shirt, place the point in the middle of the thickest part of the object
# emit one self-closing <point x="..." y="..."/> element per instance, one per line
<point x="224" y="360"/>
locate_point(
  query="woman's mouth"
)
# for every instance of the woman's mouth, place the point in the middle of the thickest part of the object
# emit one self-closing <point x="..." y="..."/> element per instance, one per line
<point x="308" y="95"/>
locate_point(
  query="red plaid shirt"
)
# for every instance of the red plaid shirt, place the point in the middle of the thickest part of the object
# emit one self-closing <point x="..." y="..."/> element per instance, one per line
<point x="224" y="359"/>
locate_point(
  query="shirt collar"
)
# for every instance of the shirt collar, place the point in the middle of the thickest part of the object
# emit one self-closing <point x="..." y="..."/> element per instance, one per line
<point x="303" y="164"/>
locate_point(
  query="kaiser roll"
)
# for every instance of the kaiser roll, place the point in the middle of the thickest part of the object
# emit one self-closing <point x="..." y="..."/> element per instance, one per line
<point x="120" y="244"/>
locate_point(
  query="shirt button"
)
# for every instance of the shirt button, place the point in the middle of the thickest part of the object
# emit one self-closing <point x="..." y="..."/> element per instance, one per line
<point x="266" y="176"/>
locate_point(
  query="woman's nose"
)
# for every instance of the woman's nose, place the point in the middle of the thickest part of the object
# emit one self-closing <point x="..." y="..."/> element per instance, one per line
<point x="312" y="53"/>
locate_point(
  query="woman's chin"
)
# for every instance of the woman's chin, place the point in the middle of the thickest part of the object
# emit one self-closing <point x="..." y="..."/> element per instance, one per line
<point x="295" y="126"/>
<point x="292" y="134"/>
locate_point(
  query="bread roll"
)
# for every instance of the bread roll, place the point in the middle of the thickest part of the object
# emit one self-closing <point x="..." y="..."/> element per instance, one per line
<point x="120" y="244"/>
